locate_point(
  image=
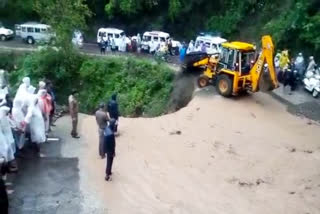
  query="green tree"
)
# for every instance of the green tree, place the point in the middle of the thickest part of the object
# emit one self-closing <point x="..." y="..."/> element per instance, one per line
<point x="64" y="16"/>
<point x="311" y="33"/>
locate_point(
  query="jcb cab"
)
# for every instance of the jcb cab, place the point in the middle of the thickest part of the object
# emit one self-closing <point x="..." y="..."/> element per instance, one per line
<point x="238" y="69"/>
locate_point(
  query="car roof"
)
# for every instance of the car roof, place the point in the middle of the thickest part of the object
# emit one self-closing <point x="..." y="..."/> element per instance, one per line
<point x="243" y="46"/>
<point x="34" y="24"/>
<point x="115" y="30"/>
<point x="211" y="39"/>
<point x="157" y="33"/>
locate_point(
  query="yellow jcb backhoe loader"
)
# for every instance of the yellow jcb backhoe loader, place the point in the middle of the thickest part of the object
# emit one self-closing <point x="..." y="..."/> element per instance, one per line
<point x="239" y="70"/>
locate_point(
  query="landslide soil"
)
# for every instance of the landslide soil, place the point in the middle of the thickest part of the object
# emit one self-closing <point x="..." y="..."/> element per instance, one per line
<point x="216" y="155"/>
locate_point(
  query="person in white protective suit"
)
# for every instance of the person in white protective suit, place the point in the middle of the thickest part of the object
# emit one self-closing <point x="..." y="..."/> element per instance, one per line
<point x="5" y="150"/>
<point x="35" y="122"/>
<point x="31" y="89"/>
<point x="3" y="94"/>
<point x="45" y="107"/>
<point x="19" y="125"/>
<point x="138" y="40"/>
<point x="7" y="138"/>
<point x="153" y="47"/>
<point x="190" y="47"/>
<point x="312" y="64"/>
<point x="123" y="44"/>
<point x="22" y="91"/>
<point x="300" y="64"/>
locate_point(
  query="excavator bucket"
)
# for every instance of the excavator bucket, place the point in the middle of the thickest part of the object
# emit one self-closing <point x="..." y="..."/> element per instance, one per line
<point x="265" y="82"/>
<point x="268" y="80"/>
<point x="196" y="59"/>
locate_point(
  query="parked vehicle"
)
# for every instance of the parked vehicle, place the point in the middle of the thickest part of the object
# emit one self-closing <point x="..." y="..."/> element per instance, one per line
<point x="213" y="43"/>
<point x="312" y="82"/>
<point x="155" y="37"/>
<point x="32" y="32"/>
<point x="235" y="72"/>
<point x="77" y="39"/>
<point x="113" y="33"/>
<point x="5" y="33"/>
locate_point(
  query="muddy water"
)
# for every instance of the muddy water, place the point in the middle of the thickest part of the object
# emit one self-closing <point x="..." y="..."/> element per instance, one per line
<point x="231" y="156"/>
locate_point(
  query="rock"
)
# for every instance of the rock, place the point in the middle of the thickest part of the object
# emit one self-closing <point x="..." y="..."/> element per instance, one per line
<point x="175" y="132"/>
<point x="249" y="184"/>
<point x="292" y="193"/>
<point x="308" y="151"/>
<point x="260" y="181"/>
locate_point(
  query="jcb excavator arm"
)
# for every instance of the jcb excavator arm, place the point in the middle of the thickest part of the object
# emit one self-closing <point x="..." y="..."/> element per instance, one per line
<point x="266" y="56"/>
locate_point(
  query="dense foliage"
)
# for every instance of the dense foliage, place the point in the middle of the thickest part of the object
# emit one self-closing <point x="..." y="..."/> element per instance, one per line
<point x="143" y="86"/>
<point x="65" y="16"/>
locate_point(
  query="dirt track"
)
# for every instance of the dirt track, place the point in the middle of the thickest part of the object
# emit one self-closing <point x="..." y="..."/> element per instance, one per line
<point x="232" y="156"/>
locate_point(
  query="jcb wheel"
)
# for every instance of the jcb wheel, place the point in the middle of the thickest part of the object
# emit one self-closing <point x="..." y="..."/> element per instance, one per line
<point x="3" y="37"/>
<point x="224" y="85"/>
<point x="203" y="81"/>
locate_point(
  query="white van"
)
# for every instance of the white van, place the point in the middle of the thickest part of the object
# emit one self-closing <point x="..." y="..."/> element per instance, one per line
<point x="5" y="33"/>
<point x="32" y="32"/>
<point x="213" y="43"/>
<point x="116" y="34"/>
<point x="155" y="37"/>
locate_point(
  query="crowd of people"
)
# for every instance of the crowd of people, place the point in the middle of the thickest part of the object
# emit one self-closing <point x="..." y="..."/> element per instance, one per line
<point x="291" y="72"/>
<point x="27" y="118"/>
<point x="133" y="44"/>
<point x="127" y="44"/>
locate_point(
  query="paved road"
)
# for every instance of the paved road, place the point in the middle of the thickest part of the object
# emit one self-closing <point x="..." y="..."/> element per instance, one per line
<point x="88" y="48"/>
<point x="300" y="102"/>
<point x="46" y="185"/>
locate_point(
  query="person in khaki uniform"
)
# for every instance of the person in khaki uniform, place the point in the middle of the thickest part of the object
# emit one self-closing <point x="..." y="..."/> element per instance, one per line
<point x="102" y="121"/>
<point x="73" y="109"/>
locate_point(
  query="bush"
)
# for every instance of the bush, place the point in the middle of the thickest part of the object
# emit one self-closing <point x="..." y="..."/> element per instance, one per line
<point x="49" y="64"/>
<point x="143" y="86"/>
<point x="9" y="60"/>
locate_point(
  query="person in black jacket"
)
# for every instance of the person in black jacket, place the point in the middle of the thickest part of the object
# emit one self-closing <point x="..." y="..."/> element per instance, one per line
<point x="109" y="147"/>
<point x="113" y="110"/>
<point x="4" y="202"/>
